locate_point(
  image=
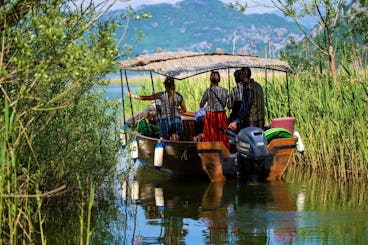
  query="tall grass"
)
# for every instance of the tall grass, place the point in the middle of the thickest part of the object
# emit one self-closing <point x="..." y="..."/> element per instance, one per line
<point x="80" y="149"/>
<point x="332" y="121"/>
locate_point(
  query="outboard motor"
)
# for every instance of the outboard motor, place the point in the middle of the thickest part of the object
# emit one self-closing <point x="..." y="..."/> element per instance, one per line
<point x="251" y="153"/>
<point x="252" y="143"/>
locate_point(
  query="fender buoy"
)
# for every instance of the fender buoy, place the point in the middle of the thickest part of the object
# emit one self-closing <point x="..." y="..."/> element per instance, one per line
<point x="134" y="149"/>
<point x="159" y="198"/>
<point x="299" y="143"/>
<point x="159" y="155"/>
<point x="123" y="138"/>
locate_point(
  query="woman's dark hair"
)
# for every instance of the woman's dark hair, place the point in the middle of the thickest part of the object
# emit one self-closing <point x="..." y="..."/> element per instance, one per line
<point x="246" y="72"/>
<point x="237" y="75"/>
<point x="170" y="87"/>
<point x="215" y="77"/>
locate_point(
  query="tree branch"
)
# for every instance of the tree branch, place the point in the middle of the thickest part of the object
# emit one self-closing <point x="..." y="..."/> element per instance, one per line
<point x="43" y="195"/>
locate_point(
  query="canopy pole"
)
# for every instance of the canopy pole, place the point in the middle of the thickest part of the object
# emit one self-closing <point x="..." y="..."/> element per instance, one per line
<point x="157" y="105"/>
<point x="122" y="94"/>
<point x="288" y="93"/>
<point x="228" y="77"/>
<point x="130" y="99"/>
<point x="153" y="86"/>
<point x="268" y="109"/>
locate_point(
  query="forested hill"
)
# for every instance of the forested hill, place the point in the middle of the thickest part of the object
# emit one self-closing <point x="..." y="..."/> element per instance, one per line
<point x="198" y="25"/>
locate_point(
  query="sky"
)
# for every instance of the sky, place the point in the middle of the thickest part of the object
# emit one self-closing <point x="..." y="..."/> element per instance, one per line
<point x="252" y="6"/>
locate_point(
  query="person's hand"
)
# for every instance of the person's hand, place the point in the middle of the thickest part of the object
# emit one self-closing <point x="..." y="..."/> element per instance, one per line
<point x="130" y="95"/>
<point x="233" y="126"/>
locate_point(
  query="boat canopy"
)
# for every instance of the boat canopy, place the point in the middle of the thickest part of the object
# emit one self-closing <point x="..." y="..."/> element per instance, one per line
<point x="182" y="64"/>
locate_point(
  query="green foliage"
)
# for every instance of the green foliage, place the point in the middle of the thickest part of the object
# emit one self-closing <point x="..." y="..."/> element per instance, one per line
<point x="331" y="121"/>
<point x="357" y="25"/>
<point x="54" y="128"/>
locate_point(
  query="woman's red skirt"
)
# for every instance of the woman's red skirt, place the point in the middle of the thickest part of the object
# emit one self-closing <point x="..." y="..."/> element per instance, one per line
<point x="213" y="123"/>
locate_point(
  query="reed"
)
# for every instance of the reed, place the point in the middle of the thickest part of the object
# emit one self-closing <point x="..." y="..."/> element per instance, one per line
<point x="320" y="189"/>
<point x="331" y="120"/>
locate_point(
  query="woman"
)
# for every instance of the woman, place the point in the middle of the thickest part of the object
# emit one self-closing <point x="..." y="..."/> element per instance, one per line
<point x="235" y="97"/>
<point x="172" y="105"/>
<point x="215" y="119"/>
<point x="147" y="125"/>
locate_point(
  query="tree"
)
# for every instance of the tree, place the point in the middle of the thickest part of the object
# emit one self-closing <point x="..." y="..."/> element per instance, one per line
<point x="54" y="129"/>
<point x="359" y="19"/>
<point x="326" y="13"/>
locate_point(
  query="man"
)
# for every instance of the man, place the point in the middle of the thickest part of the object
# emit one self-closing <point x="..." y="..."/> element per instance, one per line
<point x="251" y="112"/>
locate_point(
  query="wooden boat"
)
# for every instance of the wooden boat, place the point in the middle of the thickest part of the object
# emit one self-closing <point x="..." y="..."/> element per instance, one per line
<point x="208" y="160"/>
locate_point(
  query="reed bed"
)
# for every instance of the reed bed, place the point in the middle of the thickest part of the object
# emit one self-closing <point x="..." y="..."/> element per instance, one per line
<point x="332" y="121"/>
<point x="320" y="191"/>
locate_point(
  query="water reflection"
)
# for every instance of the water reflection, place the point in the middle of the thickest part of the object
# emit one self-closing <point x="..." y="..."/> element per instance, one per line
<point x="153" y="209"/>
<point x="219" y="213"/>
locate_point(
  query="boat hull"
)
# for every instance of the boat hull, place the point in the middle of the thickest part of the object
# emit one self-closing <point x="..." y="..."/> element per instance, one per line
<point x="180" y="158"/>
<point x="212" y="160"/>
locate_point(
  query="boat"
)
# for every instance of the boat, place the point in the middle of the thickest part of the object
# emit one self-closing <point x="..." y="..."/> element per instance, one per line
<point x="255" y="158"/>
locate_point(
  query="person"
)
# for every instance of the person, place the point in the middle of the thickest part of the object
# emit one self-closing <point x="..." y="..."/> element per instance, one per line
<point x="199" y="123"/>
<point x="147" y="125"/>
<point x="215" y="118"/>
<point x="251" y="111"/>
<point x="172" y="105"/>
<point x="235" y="97"/>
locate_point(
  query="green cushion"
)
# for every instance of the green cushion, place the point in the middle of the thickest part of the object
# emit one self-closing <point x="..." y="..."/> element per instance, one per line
<point x="274" y="133"/>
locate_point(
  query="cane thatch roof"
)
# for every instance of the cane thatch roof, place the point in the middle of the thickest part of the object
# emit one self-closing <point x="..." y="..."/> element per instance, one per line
<point x="181" y="65"/>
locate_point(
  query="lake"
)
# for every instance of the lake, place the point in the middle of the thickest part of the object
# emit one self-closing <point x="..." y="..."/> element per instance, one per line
<point x="148" y="208"/>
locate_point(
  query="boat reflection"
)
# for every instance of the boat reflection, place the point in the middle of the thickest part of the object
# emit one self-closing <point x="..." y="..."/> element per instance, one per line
<point x="222" y="212"/>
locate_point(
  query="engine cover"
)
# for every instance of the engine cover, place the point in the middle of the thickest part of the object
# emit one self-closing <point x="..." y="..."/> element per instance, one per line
<point x="252" y="143"/>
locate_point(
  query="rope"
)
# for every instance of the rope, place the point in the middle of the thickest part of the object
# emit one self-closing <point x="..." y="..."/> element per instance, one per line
<point x="184" y="155"/>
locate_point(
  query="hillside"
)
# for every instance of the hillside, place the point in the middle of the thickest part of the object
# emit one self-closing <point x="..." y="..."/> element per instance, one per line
<point x="198" y="25"/>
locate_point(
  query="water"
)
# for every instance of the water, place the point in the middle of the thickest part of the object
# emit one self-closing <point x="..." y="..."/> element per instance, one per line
<point x="115" y="90"/>
<point x="156" y="210"/>
<point x="305" y="208"/>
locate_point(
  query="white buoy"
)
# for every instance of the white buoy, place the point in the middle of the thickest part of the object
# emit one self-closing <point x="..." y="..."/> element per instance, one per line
<point x="134" y="149"/>
<point x="159" y="155"/>
<point x="299" y="142"/>
<point x="159" y="198"/>
<point x="123" y="138"/>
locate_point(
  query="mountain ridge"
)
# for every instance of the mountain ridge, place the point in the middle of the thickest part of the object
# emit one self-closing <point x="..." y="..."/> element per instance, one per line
<point x="205" y="26"/>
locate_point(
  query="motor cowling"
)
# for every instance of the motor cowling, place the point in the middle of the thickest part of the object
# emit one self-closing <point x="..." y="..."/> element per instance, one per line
<point x="252" y="143"/>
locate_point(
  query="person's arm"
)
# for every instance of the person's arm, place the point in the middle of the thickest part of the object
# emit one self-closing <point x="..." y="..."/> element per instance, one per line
<point x="142" y="97"/>
<point x="243" y="111"/>
<point x="230" y="101"/>
<point x="204" y="99"/>
<point x="225" y="98"/>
